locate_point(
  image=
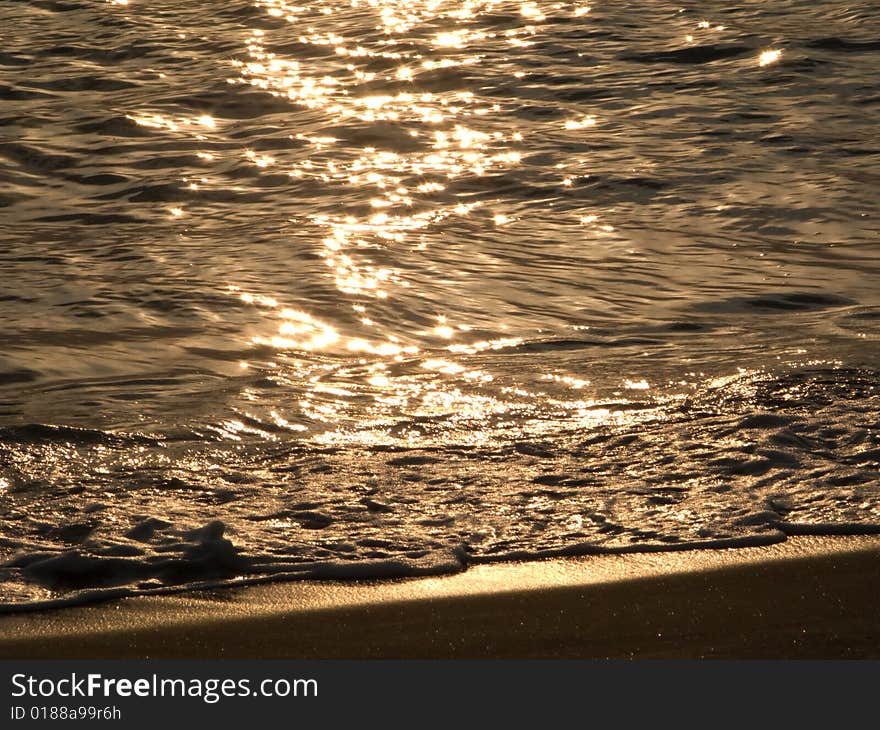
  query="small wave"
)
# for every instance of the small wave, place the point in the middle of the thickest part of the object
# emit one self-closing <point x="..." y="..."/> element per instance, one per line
<point x="34" y="159"/>
<point x="842" y="44"/>
<point x="690" y="55"/>
<point x="775" y="302"/>
<point x="37" y="433"/>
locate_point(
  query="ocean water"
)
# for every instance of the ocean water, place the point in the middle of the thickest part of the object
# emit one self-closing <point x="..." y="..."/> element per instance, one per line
<point x="384" y="288"/>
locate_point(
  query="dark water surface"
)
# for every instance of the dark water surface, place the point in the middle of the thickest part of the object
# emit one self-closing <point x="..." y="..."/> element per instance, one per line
<point x="383" y="288"/>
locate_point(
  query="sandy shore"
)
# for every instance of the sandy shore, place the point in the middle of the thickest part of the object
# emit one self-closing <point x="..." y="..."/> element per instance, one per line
<point x="809" y="597"/>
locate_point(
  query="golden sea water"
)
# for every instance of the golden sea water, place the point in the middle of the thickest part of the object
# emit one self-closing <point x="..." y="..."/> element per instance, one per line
<point x="385" y="288"/>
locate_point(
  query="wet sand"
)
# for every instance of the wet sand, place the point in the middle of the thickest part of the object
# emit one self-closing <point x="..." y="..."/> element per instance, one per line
<point x="808" y="597"/>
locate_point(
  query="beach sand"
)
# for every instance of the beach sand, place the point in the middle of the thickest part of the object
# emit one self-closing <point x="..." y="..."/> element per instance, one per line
<point x="807" y="597"/>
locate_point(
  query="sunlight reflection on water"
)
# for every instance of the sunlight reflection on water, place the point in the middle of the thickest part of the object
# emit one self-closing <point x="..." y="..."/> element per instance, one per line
<point x="386" y="280"/>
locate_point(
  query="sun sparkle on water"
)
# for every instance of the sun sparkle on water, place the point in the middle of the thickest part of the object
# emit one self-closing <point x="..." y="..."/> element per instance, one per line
<point x="768" y="57"/>
<point x="457" y="136"/>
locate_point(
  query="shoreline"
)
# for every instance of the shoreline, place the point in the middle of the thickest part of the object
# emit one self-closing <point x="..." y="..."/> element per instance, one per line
<point x="805" y="597"/>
